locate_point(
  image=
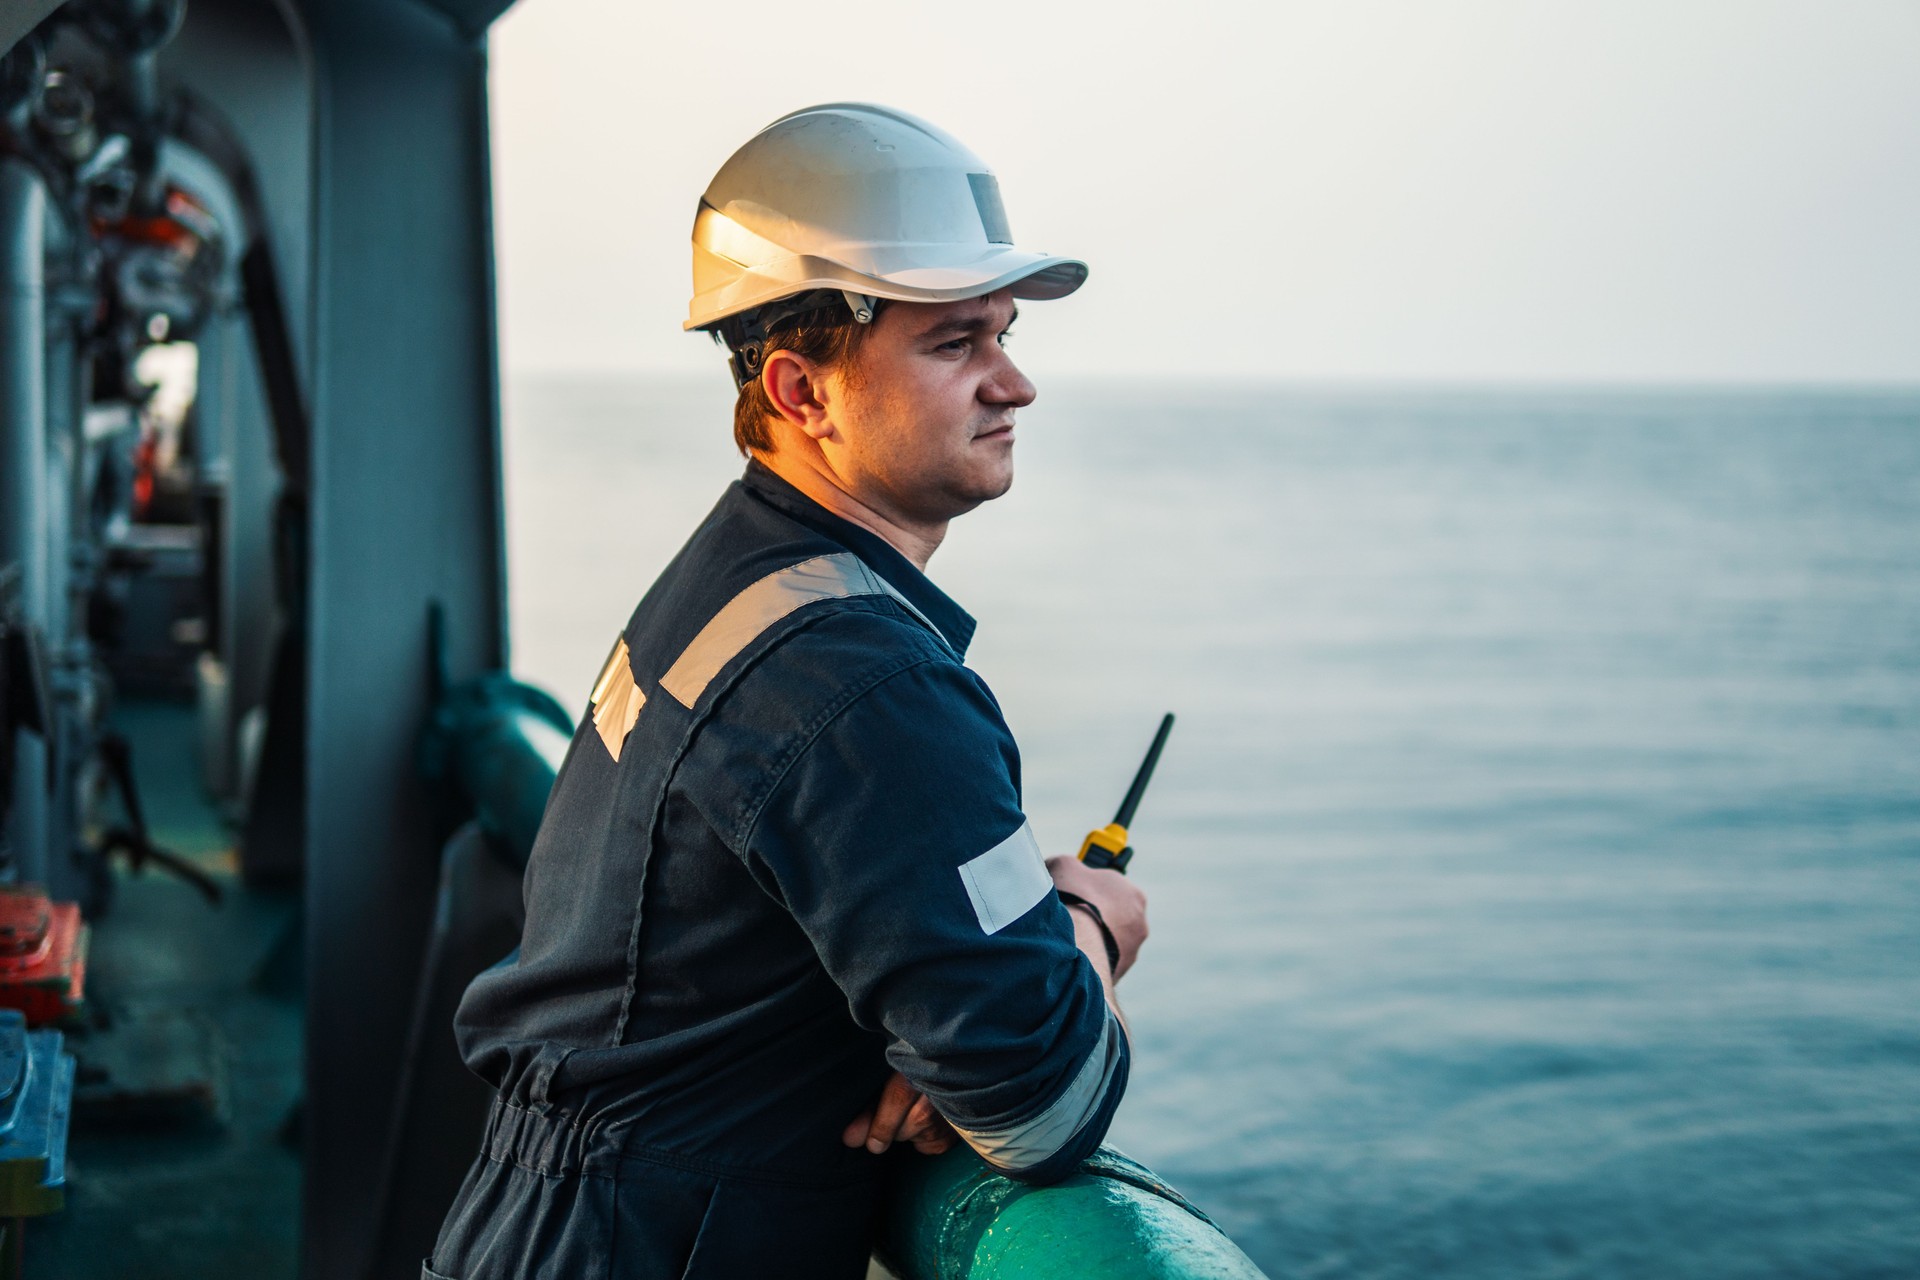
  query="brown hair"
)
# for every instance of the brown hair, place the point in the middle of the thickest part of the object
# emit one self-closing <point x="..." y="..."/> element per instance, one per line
<point x="827" y="337"/>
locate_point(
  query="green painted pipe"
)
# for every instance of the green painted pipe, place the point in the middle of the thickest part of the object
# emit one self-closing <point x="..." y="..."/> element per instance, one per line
<point x="947" y="1217"/>
<point x="501" y="742"/>
<point x="952" y="1217"/>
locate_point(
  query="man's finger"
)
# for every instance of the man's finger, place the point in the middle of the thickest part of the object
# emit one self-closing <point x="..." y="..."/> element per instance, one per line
<point x="927" y="1129"/>
<point x="934" y="1144"/>
<point x="921" y="1120"/>
<point x="856" y="1131"/>
<point x="896" y="1099"/>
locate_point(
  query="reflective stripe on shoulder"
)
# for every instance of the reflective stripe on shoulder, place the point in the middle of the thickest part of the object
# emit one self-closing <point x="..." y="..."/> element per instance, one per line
<point x="1032" y="1142"/>
<point x="1006" y="881"/>
<point x="616" y="699"/>
<point x="737" y="625"/>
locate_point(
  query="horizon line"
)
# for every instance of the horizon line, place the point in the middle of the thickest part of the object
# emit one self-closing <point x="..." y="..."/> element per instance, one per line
<point x="1372" y="382"/>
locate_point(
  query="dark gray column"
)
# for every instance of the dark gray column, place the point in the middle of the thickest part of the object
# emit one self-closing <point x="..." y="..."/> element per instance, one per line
<point x="405" y="511"/>
<point x="23" y="462"/>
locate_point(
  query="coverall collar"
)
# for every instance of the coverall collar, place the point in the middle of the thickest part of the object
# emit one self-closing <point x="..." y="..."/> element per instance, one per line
<point x="955" y="623"/>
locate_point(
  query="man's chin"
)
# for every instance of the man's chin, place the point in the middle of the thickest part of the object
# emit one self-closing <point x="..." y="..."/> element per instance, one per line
<point x="993" y="486"/>
<point x="965" y="496"/>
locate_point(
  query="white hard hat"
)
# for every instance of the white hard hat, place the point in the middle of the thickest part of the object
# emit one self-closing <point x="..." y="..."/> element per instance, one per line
<point x="866" y="202"/>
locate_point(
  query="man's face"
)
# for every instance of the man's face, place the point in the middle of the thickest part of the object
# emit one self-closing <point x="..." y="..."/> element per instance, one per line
<point x="924" y="408"/>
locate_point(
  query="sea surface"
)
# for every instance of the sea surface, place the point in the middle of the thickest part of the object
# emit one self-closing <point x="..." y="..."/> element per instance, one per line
<point x="1535" y="867"/>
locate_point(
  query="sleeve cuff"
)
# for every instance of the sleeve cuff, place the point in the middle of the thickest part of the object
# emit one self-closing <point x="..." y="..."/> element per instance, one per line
<point x="1051" y="1144"/>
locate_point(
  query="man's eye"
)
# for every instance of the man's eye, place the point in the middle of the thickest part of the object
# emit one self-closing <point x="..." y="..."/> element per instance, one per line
<point x="956" y="345"/>
<point x="1004" y="335"/>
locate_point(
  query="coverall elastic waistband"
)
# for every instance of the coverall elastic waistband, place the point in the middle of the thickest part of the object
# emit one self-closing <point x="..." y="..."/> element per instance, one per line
<point x="557" y="1144"/>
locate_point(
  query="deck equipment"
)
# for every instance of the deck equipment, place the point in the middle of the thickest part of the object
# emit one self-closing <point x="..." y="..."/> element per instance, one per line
<point x="43" y="955"/>
<point x="36" y="1098"/>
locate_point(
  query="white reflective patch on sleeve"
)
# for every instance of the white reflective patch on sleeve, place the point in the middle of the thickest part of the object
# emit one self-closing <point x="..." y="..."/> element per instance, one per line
<point x="1007" y="880"/>
<point x="616" y="699"/>
<point x="740" y="622"/>
<point x="1024" y="1145"/>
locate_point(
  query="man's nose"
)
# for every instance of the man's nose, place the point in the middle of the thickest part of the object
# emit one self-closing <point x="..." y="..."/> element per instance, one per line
<point x="1008" y="386"/>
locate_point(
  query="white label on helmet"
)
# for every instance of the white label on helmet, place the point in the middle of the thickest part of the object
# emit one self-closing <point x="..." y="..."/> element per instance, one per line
<point x="993" y="214"/>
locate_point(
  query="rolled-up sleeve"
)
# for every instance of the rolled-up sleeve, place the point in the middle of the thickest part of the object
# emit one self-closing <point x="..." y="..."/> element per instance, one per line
<point x="897" y="841"/>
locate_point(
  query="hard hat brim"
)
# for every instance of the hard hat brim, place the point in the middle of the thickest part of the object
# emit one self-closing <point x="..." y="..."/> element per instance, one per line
<point x="1037" y="276"/>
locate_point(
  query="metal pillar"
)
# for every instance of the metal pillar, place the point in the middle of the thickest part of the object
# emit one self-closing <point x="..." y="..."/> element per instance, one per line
<point x="405" y="504"/>
<point x="70" y="557"/>
<point x="24" y="535"/>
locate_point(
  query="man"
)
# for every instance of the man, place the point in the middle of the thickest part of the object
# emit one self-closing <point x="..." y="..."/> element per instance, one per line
<point x="785" y="852"/>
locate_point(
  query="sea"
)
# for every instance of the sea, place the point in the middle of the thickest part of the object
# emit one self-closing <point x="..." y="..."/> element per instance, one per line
<point x="1534" y="867"/>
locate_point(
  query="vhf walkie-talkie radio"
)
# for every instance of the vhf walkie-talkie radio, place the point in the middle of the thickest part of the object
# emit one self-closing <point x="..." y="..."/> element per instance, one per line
<point x="1108" y="846"/>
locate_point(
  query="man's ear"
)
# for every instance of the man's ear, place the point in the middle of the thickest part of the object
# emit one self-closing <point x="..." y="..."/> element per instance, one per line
<point x="794" y="387"/>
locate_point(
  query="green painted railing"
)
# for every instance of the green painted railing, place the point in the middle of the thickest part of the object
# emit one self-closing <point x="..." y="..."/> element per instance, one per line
<point x="952" y="1217"/>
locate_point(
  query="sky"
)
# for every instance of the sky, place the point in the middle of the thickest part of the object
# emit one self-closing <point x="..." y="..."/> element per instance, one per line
<point x="1474" y="190"/>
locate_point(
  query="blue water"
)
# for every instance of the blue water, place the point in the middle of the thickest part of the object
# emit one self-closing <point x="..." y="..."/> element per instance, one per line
<point x="1535" y="869"/>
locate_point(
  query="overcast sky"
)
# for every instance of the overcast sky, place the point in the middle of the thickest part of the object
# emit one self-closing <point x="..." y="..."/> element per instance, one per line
<point x="1502" y="189"/>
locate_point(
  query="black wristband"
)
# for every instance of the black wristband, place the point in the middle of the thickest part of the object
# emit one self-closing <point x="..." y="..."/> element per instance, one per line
<point x="1106" y="934"/>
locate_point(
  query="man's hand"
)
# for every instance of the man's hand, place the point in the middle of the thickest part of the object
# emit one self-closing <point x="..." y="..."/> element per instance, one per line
<point x="902" y="1114"/>
<point x="1122" y="905"/>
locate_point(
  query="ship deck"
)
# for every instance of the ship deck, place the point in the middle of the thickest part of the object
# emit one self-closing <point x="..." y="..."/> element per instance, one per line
<point x="191" y="1176"/>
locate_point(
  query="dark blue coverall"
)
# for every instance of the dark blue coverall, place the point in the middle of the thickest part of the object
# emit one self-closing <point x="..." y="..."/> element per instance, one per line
<point x="785" y="851"/>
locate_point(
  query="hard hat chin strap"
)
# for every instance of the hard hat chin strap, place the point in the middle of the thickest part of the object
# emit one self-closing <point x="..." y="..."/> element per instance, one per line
<point x="746" y="335"/>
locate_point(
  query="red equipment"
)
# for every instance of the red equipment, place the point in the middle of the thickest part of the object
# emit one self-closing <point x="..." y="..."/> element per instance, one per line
<point x="43" y="955"/>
